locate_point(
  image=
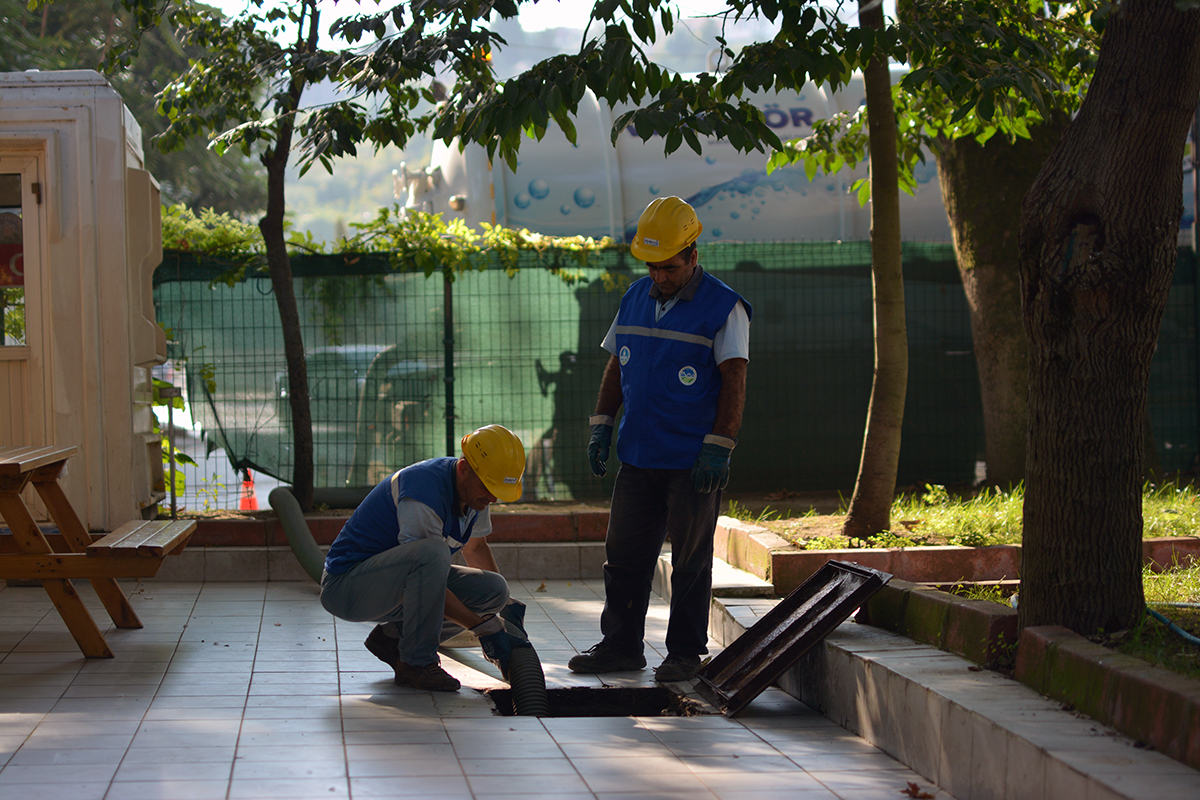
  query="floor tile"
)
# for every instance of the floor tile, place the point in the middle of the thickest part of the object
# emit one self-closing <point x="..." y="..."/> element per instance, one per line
<point x="169" y="789"/>
<point x="59" y="791"/>
<point x="56" y="773"/>
<point x="442" y="787"/>
<point x="537" y="784"/>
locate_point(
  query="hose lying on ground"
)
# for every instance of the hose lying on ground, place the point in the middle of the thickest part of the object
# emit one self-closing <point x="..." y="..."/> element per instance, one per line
<point x="1171" y="626"/>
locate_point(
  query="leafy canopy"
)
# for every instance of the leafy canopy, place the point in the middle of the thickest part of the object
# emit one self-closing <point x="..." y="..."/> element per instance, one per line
<point x="975" y="68"/>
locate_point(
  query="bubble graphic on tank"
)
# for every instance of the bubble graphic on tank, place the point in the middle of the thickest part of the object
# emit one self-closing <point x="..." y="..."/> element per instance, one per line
<point x="716" y="233"/>
<point x="710" y="159"/>
<point x="522" y="200"/>
<point x="653" y="190"/>
<point x="734" y="214"/>
<point x="565" y="209"/>
<point x="539" y="188"/>
<point x="925" y="173"/>
<point x="584" y="197"/>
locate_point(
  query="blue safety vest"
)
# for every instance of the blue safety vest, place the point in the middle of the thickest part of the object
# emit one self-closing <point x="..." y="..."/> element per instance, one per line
<point x="669" y="376"/>
<point x="373" y="527"/>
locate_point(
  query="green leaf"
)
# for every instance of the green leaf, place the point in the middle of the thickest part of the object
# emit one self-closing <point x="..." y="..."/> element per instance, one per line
<point x="986" y="108"/>
<point x="863" y="188"/>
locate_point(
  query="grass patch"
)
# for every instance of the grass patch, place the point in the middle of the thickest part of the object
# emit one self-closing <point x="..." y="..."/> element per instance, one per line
<point x="988" y="516"/>
<point x="740" y="512"/>
<point x="1153" y="641"/>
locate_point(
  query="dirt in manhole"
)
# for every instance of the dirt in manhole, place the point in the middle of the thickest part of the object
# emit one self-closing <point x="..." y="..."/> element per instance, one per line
<point x="582" y="701"/>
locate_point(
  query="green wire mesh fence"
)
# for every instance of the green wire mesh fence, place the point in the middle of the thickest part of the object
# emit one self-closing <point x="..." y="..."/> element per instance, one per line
<point x="400" y="365"/>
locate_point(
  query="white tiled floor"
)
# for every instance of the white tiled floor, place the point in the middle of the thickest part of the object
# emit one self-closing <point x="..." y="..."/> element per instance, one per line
<point x="245" y="691"/>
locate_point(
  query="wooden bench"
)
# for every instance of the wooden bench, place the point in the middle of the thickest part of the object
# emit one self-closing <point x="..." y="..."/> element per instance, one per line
<point x="135" y="550"/>
<point x="155" y="539"/>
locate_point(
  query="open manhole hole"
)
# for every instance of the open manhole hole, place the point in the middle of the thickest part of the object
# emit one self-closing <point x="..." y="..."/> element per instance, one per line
<point x="583" y="701"/>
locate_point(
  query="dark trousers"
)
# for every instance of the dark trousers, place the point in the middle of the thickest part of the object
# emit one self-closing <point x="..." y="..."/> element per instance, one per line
<point x="649" y="507"/>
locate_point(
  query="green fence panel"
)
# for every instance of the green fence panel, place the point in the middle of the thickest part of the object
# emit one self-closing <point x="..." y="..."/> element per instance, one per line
<point x="392" y="384"/>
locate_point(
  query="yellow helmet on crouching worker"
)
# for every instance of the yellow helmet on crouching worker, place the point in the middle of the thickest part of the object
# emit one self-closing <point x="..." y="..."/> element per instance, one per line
<point x="498" y="458"/>
<point x="667" y="226"/>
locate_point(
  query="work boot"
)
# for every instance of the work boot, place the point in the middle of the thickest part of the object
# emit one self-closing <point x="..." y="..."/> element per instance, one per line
<point x="383" y="647"/>
<point x="430" y="677"/>
<point x="603" y="657"/>
<point x="677" y="668"/>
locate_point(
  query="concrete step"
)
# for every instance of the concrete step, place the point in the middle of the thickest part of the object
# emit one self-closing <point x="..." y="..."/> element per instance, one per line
<point x="534" y="561"/>
<point x="529" y="561"/>
<point x="728" y="581"/>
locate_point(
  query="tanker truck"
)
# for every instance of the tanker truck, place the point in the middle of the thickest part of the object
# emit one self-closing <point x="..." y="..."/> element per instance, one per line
<point x="592" y="188"/>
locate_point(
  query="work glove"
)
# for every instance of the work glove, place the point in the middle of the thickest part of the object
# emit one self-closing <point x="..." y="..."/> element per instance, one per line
<point x="498" y="641"/>
<point x="514" y="616"/>
<point x="602" y="428"/>
<point x="711" y="470"/>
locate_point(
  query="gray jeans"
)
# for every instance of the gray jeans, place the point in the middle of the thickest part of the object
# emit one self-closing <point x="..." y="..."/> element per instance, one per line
<point x="406" y="586"/>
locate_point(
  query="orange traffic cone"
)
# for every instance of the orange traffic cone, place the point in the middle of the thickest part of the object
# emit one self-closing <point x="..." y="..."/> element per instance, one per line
<point x="248" y="501"/>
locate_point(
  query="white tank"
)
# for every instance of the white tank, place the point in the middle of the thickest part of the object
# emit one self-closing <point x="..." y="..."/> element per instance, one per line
<point x="595" y="189"/>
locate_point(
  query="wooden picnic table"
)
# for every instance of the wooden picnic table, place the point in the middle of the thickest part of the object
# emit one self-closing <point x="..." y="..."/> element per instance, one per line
<point x="135" y="550"/>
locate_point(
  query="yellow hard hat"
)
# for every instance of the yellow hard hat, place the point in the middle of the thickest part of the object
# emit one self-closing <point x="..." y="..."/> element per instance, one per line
<point x="498" y="458"/>
<point x="667" y="226"/>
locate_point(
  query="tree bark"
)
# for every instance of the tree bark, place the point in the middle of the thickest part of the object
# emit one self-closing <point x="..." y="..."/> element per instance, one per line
<point x="280" y="266"/>
<point x="875" y="487"/>
<point x="1098" y="249"/>
<point x="982" y="187"/>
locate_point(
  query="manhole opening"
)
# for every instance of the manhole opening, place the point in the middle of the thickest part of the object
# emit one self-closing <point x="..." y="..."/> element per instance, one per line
<point x="582" y="701"/>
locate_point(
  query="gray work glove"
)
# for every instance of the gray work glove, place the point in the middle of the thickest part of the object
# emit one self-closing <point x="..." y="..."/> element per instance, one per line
<point x="498" y="641"/>
<point x="711" y="470"/>
<point x="597" y="451"/>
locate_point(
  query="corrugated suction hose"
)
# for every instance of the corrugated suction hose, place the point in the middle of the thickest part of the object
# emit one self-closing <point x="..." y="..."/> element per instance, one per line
<point x="528" y="683"/>
<point x="525" y="674"/>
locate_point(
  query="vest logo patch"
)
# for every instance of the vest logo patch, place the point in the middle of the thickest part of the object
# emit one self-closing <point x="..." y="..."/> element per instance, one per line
<point x="623" y="356"/>
<point x="687" y="376"/>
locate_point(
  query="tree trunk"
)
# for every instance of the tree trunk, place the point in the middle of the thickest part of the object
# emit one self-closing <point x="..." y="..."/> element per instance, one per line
<point x="982" y="187"/>
<point x="280" y="266"/>
<point x="875" y="488"/>
<point x="1098" y="249"/>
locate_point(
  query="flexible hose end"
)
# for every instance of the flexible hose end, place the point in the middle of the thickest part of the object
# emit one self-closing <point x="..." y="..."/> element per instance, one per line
<point x="295" y="527"/>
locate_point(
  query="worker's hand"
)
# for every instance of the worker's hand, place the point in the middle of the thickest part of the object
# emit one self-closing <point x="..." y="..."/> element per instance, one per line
<point x="498" y="645"/>
<point x="711" y="470"/>
<point x="602" y="428"/>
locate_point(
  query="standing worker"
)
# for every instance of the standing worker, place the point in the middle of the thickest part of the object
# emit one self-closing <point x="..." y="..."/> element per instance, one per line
<point x="680" y="345"/>
<point x="390" y="564"/>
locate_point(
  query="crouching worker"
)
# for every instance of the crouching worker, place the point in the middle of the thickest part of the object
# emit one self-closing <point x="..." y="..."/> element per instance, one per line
<point x="390" y="564"/>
